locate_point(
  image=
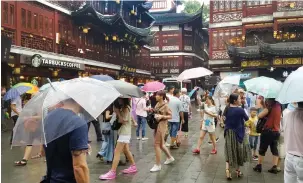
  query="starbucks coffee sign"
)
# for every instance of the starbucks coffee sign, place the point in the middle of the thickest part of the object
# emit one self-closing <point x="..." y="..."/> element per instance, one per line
<point x="38" y="61"/>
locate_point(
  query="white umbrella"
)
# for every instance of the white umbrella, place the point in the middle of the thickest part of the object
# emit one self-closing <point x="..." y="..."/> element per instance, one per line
<point x="235" y="80"/>
<point x="194" y="73"/>
<point x="292" y="89"/>
<point x="300" y="68"/>
<point x="92" y="95"/>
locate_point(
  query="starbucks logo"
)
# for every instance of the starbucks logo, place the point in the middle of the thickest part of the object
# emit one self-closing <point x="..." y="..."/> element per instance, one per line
<point x="36" y="60"/>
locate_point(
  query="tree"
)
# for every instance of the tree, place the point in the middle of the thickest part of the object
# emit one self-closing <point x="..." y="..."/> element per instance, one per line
<point x="192" y="6"/>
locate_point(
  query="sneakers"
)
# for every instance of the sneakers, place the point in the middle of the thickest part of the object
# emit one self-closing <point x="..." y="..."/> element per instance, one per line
<point x="131" y="169"/>
<point x="258" y="168"/>
<point x="255" y="158"/>
<point x="169" y="161"/>
<point x="144" y="138"/>
<point x="214" y="151"/>
<point x="108" y="176"/>
<point x="196" y="151"/>
<point x="138" y="138"/>
<point x="167" y="144"/>
<point x="273" y="170"/>
<point x="156" y="168"/>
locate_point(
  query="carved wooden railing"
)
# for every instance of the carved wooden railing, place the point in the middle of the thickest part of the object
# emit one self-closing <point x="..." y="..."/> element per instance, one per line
<point x="289" y="5"/>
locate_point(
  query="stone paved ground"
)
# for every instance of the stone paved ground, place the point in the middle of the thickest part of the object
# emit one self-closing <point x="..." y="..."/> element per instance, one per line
<point x="204" y="168"/>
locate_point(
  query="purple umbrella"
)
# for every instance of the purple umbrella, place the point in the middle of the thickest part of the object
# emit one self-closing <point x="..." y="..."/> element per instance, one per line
<point x="102" y="77"/>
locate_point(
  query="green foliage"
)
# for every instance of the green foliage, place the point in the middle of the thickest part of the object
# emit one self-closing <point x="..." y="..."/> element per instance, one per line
<point x="192" y="6"/>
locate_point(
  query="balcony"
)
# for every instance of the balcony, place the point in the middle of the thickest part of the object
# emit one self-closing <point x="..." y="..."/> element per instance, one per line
<point x="289" y="6"/>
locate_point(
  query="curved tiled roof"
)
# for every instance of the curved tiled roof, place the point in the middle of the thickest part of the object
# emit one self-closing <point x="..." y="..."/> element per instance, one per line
<point x="177" y="18"/>
<point x="111" y="21"/>
<point x="248" y="52"/>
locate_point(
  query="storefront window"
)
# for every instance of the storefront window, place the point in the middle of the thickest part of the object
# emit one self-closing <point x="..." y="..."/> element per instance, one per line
<point x="12" y="14"/>
<point x="5" y="12"/>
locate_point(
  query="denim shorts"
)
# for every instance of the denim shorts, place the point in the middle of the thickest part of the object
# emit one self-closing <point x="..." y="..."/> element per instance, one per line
<point x="174" y="128"/>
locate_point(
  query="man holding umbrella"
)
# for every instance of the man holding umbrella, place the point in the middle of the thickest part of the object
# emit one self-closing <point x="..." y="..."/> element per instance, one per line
<point x="66" y="156"/>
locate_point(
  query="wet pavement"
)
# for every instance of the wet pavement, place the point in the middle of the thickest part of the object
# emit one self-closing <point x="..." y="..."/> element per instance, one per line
<point x="203" y="168"/>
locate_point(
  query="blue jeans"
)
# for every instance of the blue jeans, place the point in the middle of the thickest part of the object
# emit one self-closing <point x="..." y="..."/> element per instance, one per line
<point x="141" y="124"/>
<point x="108" y="145"/>
<point x="253" y="142"/>
<point x="174" y="128"/>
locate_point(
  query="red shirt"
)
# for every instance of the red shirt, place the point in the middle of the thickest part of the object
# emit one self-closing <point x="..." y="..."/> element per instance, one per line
<point x="274" y="118"/>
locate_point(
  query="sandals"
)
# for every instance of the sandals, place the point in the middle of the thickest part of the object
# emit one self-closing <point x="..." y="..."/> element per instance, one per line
<point x="228" y="174"/>
<point x="239" y="173"/>
<point x="100" y="157"/>
<point x="37" y="156"/>
<point x="22" y="162"/>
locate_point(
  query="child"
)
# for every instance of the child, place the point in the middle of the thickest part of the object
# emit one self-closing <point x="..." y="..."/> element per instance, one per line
<point x="253" y="135"/>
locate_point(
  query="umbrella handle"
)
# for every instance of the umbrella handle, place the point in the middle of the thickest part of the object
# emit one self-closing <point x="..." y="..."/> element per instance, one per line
<point x="50" y="82"/>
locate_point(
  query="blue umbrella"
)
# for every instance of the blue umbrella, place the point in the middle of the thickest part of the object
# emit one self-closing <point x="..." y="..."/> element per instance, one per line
<point x="16" y="92"/>
<point x="102" y="77"/>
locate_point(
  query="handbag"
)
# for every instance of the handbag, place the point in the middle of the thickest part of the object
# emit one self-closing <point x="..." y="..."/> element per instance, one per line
<point x="116" y="125"/>
<point x="260" y="124"/>
<point x="151" y="120"/>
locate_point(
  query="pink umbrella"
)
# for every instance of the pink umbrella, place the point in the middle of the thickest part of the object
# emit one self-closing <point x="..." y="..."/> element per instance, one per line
<point x="153" y="86"/>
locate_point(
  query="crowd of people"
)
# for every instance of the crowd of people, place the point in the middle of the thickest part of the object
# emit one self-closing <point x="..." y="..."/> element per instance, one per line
<point x="238" y="113"/>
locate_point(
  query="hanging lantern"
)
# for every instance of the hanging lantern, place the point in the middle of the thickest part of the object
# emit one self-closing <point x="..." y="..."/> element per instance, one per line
<point x="114" y="38"/>
<point x="85" y="30"/>
<point x="125" y="35"/>
<point x="106" y="38"/>
<point x="243" y="37"/>
<point x="139" y="21"/>
<point x="118" y="1"/>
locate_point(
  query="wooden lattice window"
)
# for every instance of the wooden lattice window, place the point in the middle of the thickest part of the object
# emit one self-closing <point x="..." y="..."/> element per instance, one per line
<point x="51" y="27"/>
<point x="29" y="19"/>
<point x="36" y="21"/>
<point x="41" y="24"/>
<point x="23" y="18"/>
<point x="5" y="12"/>
<point x="46" y="25"/>
<point x="12" y="14"/>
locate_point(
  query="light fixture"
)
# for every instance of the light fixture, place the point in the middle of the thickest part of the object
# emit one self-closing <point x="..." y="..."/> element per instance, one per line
<point x="271" y="69"/>
<point x="114" y="38"/>
<point x="85" y="30"/>
<point x="292" y="36"/>
<point x="243" y="37"/>
<point x="118" y="1"/>
<point x="31" y="35"/>
<point x="21" y="77"/>
<point x="17" y="70"/>
<point x="106" y="38"/>
<point x="275" y="34"/>
<point x="55" y="73"/>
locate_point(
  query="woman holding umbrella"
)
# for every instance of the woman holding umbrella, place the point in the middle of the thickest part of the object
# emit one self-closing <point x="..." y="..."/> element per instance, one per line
<point x="123" y="110"/>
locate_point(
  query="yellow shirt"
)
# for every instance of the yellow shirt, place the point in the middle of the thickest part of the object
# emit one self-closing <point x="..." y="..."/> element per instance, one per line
<point x="251" y="124"/>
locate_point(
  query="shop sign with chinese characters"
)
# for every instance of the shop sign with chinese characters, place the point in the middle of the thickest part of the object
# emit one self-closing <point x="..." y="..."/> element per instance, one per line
<point x="125" y="68"/>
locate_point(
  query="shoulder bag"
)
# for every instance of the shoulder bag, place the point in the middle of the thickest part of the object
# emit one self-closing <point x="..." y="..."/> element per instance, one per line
<point x="151" y="120"/>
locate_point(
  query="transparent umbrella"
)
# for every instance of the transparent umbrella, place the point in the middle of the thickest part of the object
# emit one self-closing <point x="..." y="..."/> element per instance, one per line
<point x="292" y="89"/>
<point x="92" y="95"/>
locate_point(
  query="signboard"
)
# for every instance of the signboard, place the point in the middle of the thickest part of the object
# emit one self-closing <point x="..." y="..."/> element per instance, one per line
<point x="243" y="75"/>
<point x="6" y="44"/>
<point x="39" y="61"/>
<point x="125" y="68"/>
<point x="212" y="80"/>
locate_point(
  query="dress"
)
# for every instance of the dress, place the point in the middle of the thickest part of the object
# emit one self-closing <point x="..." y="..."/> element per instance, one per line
<point x="162" y="124"/>
<point x="236" y="149"/>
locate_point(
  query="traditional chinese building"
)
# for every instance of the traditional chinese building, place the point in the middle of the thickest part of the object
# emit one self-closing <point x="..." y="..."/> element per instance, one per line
<point x="178" y="39"/>
<point x="256" y="37"/>
<point x="68" y="39"/>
